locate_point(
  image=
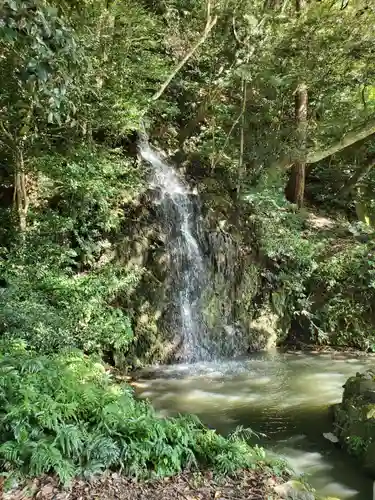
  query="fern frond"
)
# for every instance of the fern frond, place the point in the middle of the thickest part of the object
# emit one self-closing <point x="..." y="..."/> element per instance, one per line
<point x="244" y="433"/>
<point x="11" y="452"/>
<point x="44" y="458"/>
<point x="102" y="449"/>
<point x="65" y="471"/>
<point x="69" y="440"/>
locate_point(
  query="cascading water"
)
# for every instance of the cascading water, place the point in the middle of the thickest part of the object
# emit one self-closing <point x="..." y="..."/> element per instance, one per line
<point x="180" y="215"/>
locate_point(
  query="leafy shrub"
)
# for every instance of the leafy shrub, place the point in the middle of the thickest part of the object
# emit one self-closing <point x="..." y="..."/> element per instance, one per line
<point x="52" y="309"/>
<point x="325" y="282"/>
<point x="64" y="414"/>
<point x="289" y="257"/>
<point x="345" y="280"/>
<point x="62" y="280"/>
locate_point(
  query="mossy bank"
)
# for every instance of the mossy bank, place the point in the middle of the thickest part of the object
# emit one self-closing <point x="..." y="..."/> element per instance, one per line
<point x="354" y="419"/>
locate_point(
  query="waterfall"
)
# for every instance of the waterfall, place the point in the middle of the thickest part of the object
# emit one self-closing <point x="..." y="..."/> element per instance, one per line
<point x="180" y="216"/>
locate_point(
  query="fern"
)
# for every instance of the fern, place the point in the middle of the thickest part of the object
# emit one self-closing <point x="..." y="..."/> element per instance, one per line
<point x="10" y="452"/>
<point x="70" y="440"/>
<point x="66" y="471"/>
<point x="64" y="415"/>
<point x="45" y="457"/>
<point x="92" y="469"/>
<point x="102" y="449"/>
<point x="244" y="433"/>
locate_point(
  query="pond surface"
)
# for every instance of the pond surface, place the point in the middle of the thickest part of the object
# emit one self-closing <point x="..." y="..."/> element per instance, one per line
<point x="283" y="395"/>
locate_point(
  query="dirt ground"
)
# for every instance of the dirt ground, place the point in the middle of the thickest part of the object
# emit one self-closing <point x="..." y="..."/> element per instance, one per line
<point x="249" y="485"/>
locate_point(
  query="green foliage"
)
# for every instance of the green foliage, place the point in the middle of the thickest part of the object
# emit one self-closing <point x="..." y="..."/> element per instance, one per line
<point x="39" y="53"/>
<point x="323" y="282"/>
<point x="62" y="284"/>
<point x="53" y="310"/>
<point x="357" y="446"/>
<point x="291" y="258"/>
<point x="77" y="79"/>
<point x="87" y="188"/>
<point x="345" y="280"/>
<point x="64" y="414"/>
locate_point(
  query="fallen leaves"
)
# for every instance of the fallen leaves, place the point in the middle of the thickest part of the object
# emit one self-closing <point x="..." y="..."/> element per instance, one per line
<point x="254" y="485"/>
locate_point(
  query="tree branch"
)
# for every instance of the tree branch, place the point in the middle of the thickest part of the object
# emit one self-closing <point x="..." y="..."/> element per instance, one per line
<point x="8" y="135"/>
<point x="221" y="152"/>
<point x="358" y="176"/>
<point x="209" y="25"/>
<point x="347" y="140"/>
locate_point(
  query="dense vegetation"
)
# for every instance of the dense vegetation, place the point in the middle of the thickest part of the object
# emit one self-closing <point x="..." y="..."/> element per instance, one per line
<point x="64" y="414"/>
<point x="272" y="101"/>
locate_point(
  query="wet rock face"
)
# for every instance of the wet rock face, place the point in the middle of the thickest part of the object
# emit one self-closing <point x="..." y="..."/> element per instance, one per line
<point x="234" y="313"/>
<point x="354" y="418"/>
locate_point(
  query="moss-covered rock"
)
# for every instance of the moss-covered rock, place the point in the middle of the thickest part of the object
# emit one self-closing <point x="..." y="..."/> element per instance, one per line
<point x="354" y="418"/>
<point x="295" y="489"/>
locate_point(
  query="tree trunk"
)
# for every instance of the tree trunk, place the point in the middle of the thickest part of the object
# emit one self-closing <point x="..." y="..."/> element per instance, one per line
<point x="20" y="197"/>
<point x="241" y="169"/>
<point x="346" y="141"/>
<point x="295" y="188"/>
<point x="210" y="23"/>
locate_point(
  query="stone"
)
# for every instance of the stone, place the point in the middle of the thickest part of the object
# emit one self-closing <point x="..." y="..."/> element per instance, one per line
<point x="354" y="419"/>
<point x="331" y="437"/>
<point x="294" y="490"/>
<point x="46" y="491"/>
<point x="366" y="385"/>
<point x="369" y="459"/>
<point x="369" y="395"/>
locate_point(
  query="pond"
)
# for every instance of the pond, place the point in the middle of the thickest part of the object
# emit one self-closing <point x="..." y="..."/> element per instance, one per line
<point x="285" y="396"/>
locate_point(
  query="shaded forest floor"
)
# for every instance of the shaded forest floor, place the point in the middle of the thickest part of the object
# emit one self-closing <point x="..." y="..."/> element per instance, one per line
<point x="257" y="485"/>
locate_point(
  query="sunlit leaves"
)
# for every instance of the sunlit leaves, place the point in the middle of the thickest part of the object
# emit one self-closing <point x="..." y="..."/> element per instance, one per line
<point x="39" y="55"/>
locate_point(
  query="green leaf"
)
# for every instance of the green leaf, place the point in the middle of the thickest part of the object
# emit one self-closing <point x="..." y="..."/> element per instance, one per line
<point x="42" y="73"/>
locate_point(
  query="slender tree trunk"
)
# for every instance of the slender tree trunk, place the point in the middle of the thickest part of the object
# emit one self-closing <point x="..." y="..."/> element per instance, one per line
<point x="295" y="189"/>
<point x="210" y="23"/>
<point x="20" y="197"/>
<point x="241" y="169"/>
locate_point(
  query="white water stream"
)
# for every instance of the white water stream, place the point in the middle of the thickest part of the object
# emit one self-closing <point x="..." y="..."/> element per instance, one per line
<point x="285" y="396"/>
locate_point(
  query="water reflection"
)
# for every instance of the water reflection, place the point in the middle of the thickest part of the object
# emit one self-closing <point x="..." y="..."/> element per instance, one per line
<point x="286" y="396"/>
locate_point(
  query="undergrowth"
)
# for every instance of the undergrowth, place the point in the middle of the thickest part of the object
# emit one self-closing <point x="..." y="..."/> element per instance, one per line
<point x="64" y="414"/>
<point x="323" y="281"/>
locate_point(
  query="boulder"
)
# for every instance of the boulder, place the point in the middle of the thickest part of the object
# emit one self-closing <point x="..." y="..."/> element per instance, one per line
<point x="369" y="459"/>
<point x="354" y="419"/>
<point x="294" y="490"/>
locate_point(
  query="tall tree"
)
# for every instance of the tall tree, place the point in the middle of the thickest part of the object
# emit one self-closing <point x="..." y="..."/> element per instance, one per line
<point x="295" y="189"/>
<point x="38" y="53"/>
